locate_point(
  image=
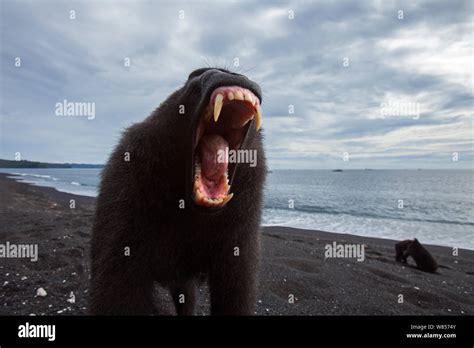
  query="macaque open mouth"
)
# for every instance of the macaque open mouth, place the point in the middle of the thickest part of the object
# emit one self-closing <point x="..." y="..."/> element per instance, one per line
<point x="222" y="127"/>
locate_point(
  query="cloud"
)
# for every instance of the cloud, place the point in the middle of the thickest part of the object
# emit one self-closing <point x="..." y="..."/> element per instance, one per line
<point x="423" y="59"/>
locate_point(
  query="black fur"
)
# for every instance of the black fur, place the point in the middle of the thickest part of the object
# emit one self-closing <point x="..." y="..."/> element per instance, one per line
<point x="401" y="250"/>
<point x="139" y="207"/>
<point x="423" y="259"/>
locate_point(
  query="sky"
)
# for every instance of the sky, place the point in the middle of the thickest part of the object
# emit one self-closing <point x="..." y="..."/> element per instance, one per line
<point x="346" y="84"/>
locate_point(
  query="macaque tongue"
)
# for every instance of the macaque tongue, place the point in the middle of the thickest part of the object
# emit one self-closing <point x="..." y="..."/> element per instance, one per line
<point x="212" y="149"/>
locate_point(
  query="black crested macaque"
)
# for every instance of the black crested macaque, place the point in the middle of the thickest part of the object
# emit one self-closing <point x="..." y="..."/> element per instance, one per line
<point x="179" y="201"/>
<point x="423" y="259"/>
<point x="401" y="249"/>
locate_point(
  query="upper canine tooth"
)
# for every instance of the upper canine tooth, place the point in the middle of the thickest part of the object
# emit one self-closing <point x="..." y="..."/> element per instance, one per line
<point x="239" y="95"/>
<point x="258" y="117"/>
<point x="218" y="106"/>
<point x="230" y="96"/>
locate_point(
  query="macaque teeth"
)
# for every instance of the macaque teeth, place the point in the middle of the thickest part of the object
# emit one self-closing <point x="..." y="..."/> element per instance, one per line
<point x="203" y="197"/>
<point x="248" y="97"/>
<point x="258" y="117"/>
<point x="226" y="185"/>
<point x="218" y="106"/>
<point x="227" y="198"/>
<point x="239" y="95"/>
<point x="199" y="195"/>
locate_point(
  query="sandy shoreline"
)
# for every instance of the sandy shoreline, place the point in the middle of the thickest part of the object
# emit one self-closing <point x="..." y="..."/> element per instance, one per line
<point x="293" y="263"/>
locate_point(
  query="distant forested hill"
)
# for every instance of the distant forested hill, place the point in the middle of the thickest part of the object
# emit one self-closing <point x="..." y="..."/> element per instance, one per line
<point x="30" y="164"/>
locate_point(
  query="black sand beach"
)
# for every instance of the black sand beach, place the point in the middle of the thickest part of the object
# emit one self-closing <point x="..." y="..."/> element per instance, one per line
<point x="293" y="263"/>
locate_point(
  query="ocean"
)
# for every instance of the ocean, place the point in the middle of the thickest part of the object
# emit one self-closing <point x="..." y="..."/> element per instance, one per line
<point x="435" y="206"/>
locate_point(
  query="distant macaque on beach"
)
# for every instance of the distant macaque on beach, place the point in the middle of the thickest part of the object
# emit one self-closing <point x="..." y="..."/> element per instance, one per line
<point x="423" y="259"/>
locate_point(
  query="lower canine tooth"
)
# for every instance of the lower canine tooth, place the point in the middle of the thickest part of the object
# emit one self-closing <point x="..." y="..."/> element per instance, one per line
<point x="227" y="198"/>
